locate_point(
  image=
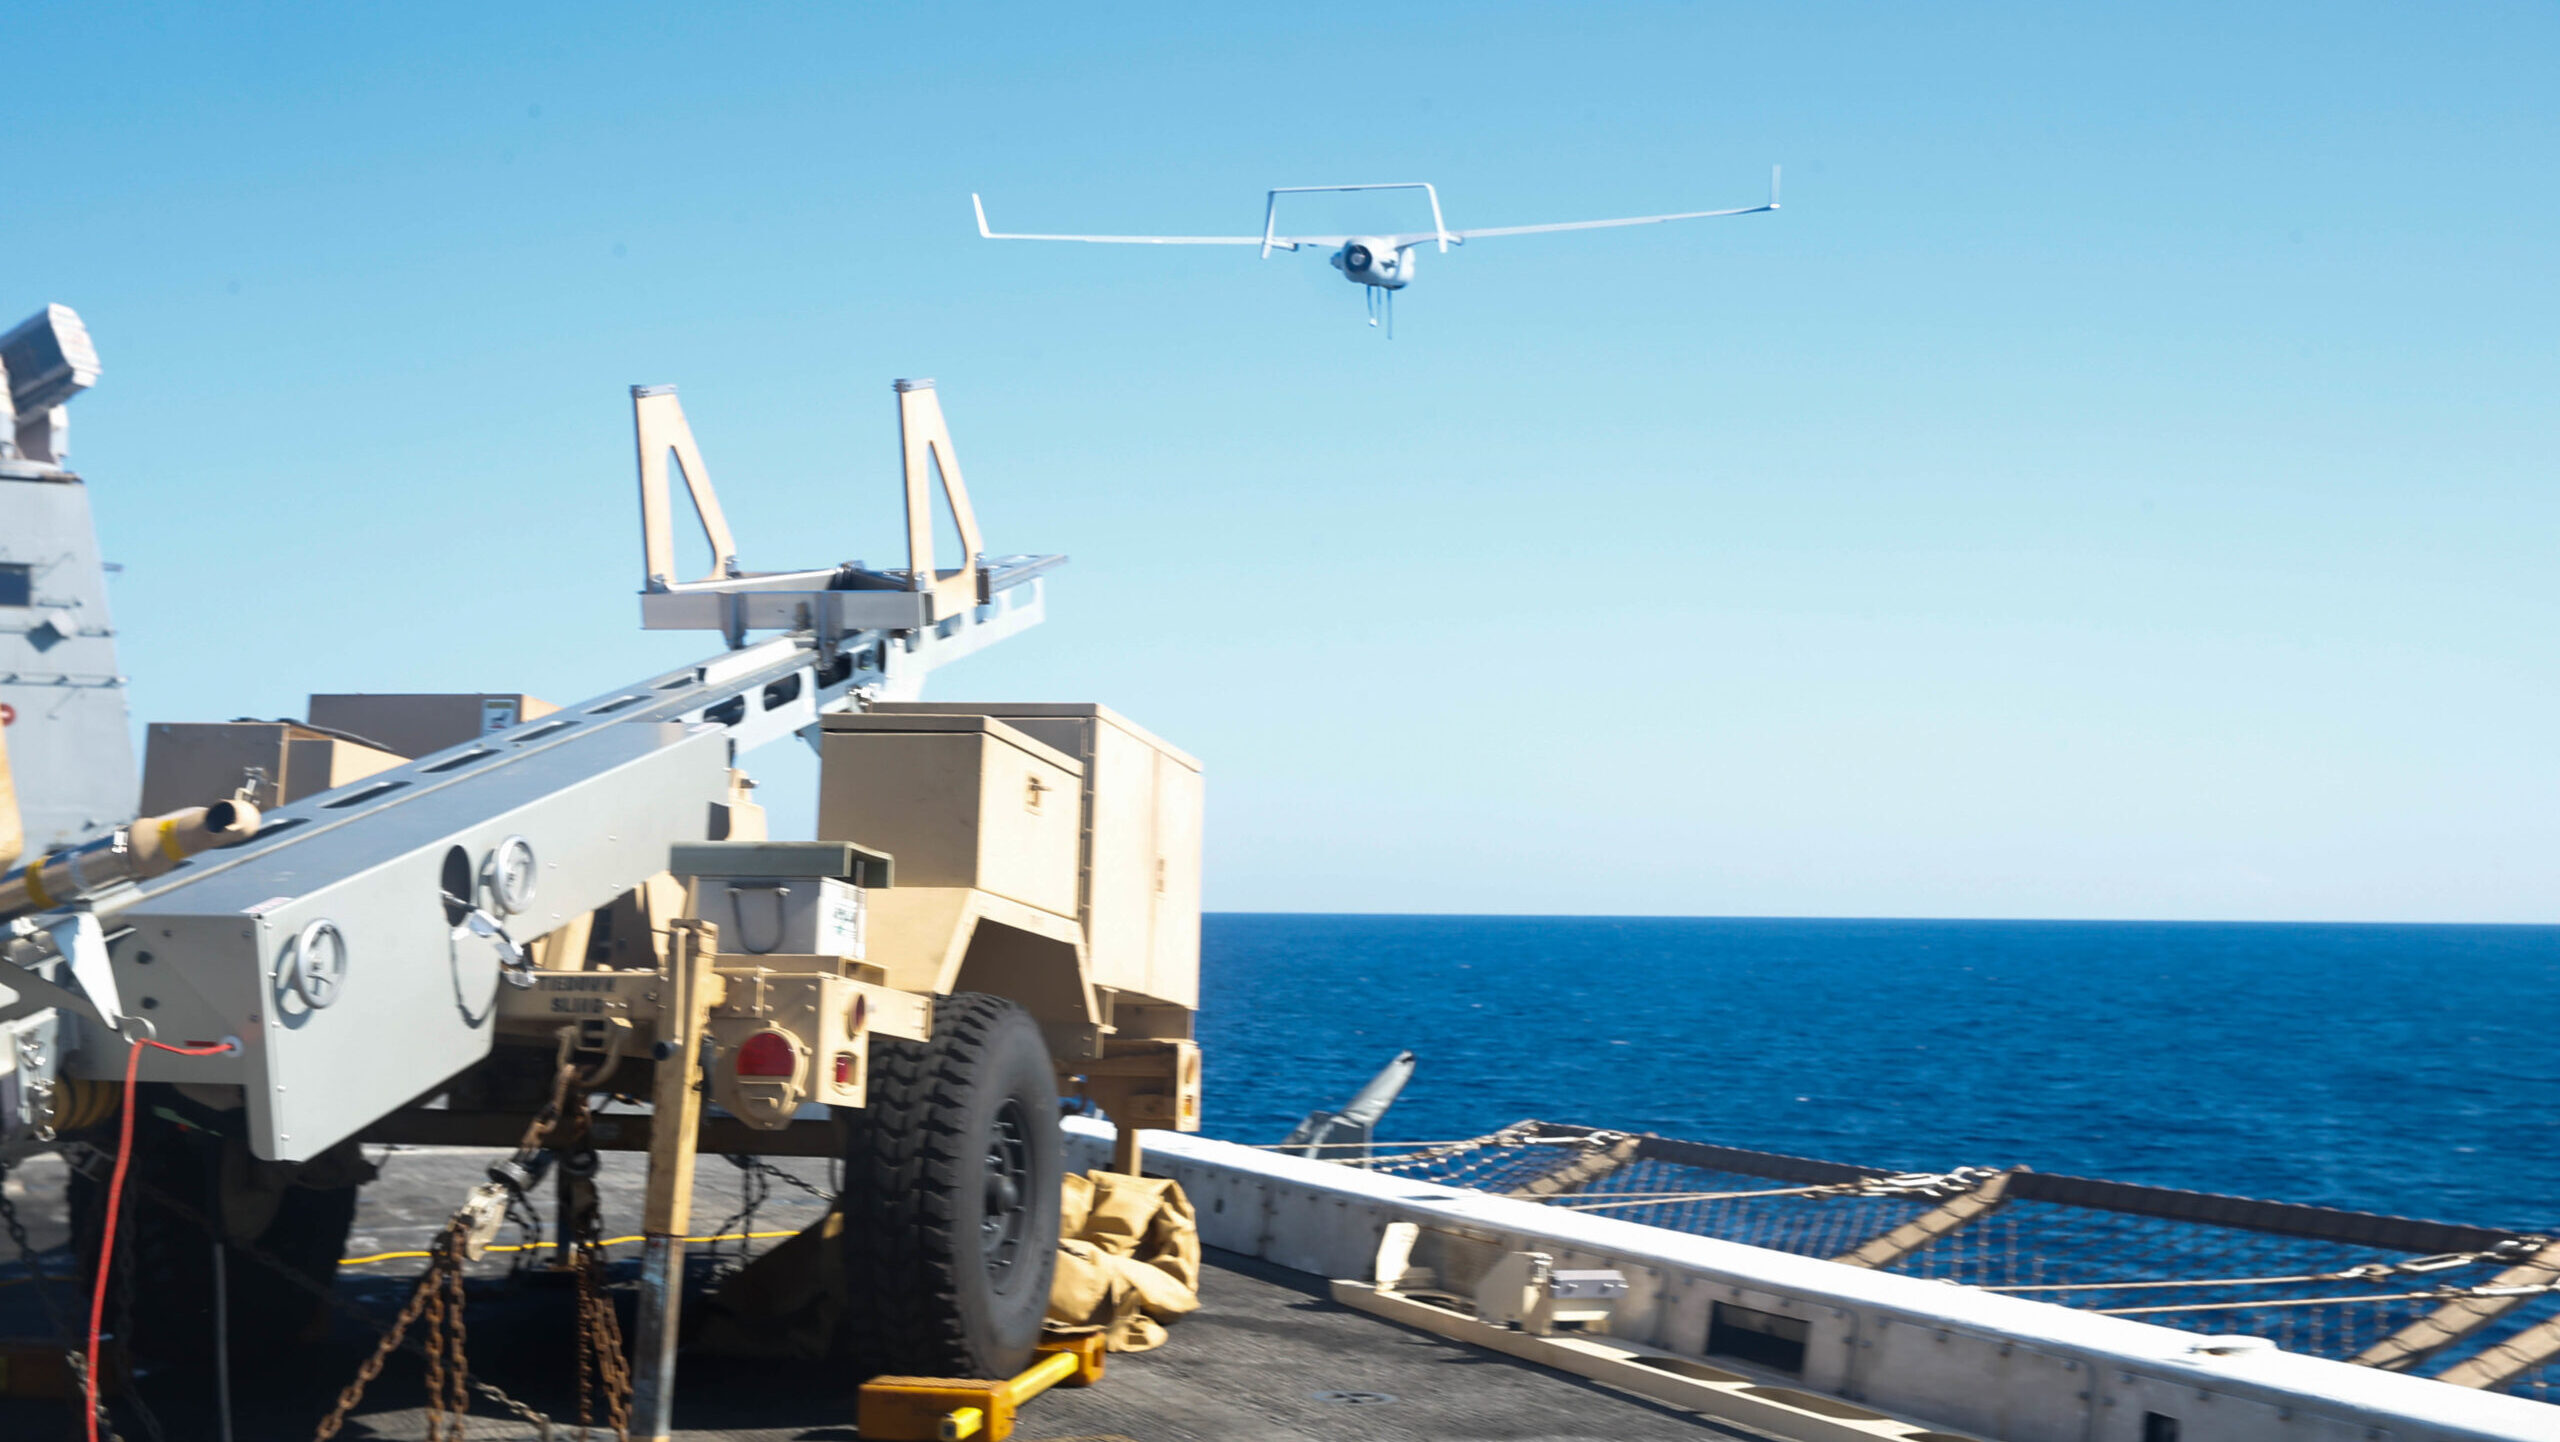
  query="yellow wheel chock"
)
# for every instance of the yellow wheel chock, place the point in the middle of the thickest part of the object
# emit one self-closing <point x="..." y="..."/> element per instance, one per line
<point x="948" y="1409"/>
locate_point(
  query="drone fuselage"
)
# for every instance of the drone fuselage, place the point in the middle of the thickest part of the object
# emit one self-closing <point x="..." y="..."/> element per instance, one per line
<point x="1368" y="260"/>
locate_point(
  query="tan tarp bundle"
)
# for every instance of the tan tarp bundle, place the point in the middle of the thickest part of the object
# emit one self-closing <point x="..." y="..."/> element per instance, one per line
<point x="1128" y="1260"/>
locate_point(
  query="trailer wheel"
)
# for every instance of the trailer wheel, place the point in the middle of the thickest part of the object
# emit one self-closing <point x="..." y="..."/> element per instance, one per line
<point x="950" y="1201"/>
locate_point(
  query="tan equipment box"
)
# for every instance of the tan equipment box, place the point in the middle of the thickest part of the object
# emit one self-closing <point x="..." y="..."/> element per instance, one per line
<point x="1138" y="851"/>
<point x="197" y="763"/>
<point x="414" y="725"/>
<point x="960" y="801"/>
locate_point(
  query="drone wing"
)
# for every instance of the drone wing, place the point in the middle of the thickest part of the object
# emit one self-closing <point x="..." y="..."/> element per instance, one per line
<point x="1115" y="239"/>
<point x="1467" y="235"/>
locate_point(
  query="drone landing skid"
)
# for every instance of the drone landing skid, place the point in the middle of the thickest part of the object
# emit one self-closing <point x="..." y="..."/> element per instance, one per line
<point x="1382" y="302"/>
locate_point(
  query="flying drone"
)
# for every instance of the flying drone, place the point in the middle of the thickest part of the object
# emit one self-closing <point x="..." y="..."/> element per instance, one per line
<point x="1382" y="263"/>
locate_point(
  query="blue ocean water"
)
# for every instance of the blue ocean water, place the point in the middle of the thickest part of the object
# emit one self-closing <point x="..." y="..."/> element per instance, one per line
<point x="2405" y="1069"/>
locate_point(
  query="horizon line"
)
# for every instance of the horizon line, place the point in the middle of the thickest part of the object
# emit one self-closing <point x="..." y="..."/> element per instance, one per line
<point x="1904" y="920"/>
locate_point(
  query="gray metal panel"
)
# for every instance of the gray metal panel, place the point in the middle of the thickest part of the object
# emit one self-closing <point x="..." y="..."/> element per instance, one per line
<point x="71" y="742"/>
<point x="811" y="859"/>
<point x="600" y="809"/>
<point x="795" y="916"/>
<point x="807" y="601"/>
<point x="29" y="1058"/>
<point x="781" y="610"/>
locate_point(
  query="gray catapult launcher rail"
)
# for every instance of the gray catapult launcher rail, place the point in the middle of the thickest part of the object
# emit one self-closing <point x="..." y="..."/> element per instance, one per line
<point x="351" y="952"/>
<point x="323" y="944"/>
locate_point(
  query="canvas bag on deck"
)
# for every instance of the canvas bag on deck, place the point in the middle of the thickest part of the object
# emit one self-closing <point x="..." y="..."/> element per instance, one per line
<point x="1128" y="1259"/>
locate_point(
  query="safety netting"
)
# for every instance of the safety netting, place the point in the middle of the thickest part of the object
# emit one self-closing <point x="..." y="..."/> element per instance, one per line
<point x="2473" y="1306"/>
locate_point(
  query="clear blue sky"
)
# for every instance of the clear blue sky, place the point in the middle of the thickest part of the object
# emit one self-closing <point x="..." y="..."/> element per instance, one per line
<point x="2120" y="483"/>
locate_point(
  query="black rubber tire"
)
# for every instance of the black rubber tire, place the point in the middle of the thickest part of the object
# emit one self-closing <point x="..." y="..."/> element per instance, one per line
<point x="941" y="1277"/>
<point x="170" y="1256"/>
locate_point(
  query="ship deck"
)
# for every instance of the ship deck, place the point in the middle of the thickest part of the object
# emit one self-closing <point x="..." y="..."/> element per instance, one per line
<point x="1268" y="1356"/>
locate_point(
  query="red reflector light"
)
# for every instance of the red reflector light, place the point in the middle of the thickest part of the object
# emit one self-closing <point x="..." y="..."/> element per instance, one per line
<point x="767" y="1053"/>
<point x="844" y="1068"/>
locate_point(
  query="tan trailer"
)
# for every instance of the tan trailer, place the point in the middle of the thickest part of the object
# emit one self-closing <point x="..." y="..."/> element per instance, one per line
<point x="997" y="924"/>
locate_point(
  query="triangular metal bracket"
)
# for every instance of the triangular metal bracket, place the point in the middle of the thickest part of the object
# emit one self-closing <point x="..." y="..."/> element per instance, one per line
<point x="925" y="443"/>
<point x="82" y="945"/>
<point x="658" y="422"/>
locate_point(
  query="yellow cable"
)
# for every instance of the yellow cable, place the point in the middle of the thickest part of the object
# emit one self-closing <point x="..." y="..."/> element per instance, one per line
<point x="6" y="1282"/>
<point x="546" y="1246"/>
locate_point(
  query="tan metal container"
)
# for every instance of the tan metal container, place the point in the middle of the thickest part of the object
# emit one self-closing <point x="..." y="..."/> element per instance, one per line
<point x="1138" y="891"/>
<point x="191" y="763"/>
<point x="960" y="801"/>
<point x="414" y="725"/>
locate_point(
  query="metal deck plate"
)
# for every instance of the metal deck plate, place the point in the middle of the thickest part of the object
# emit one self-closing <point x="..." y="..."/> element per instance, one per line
<point x="1267" y="1359"/>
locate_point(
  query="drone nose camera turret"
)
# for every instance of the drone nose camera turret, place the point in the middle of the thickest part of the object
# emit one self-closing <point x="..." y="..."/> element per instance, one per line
<point x="1373" y="261"/>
